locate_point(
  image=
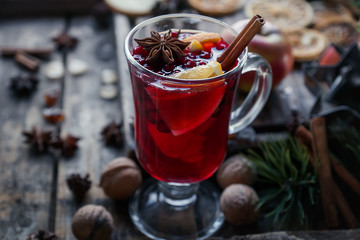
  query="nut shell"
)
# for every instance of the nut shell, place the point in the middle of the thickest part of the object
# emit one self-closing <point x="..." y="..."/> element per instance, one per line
<point x="238" y="203"/>
<point x="120" y="178"/>
<point x="236" y="169"/>
<point x="92" y="222"/>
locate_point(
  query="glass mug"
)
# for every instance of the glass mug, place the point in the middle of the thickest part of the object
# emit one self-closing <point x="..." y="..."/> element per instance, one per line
<point x="181" y="131"/>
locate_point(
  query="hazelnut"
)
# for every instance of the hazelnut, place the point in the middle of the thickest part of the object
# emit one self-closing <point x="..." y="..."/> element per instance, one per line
<point x="238" y="203"/>
<point x="236" y="169"/>
<point x="120" y="178"/>
<point x="92" y="222"/>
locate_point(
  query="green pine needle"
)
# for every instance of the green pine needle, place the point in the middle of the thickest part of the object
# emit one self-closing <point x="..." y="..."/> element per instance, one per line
<point x="291" y="183"/>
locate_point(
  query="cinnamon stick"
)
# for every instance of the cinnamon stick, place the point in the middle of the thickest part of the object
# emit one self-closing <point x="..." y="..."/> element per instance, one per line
<point x="39" y="52"/>
<point x="346" y="176"/>
<point x="243" y="40"/>
<point x="237" y="39"/>
<point x="27" y="61"/>
<point x="344" y="208"/>
<point x="320" y="148"/>
<point x="304" y="136"/>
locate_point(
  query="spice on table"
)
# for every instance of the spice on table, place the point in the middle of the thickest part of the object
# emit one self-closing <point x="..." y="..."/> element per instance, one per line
<point x="108" y="91"/>
<point x="92" y="222"/>
<point x="64" y="40"/>
<point x="120" y="178"/>
<point x="238" y="203"/>
<point x="112" y="134"/>
<point x="53" y="115"/>
<point x="51" y="97"/>
<point x="67" y="145"/>
<point x="23" y="84"/>
<point x="320" y="149"/>
<point x="317" y="156"/>
<point x="36" y="51"/>
<point x="78" y="185"/>
<point x="27" y="61"/>
<point x="54" y="70"/>
<point x="42" y="235"/>
<point x="38" y="139"/>
<point x="236" y="169"/>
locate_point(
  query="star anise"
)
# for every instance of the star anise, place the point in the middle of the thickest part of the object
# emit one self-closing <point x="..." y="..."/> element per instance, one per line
<point x="42" y="235"/>
<point x="163" y="47"/>
<point x="65" y="40"/>
<point x="78" y="185"/>
<point x="112" y="134"/>
<point x="38" y="139"/>
<point x="23" y="84"/>
<point x="67" y="145"/>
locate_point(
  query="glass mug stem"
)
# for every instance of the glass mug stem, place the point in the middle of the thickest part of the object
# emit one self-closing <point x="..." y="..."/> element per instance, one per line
<point x="178" y="194"/>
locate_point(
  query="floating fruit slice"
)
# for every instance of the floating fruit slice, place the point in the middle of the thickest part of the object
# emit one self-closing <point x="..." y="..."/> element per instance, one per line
<point x="209" y="70"/>
<point x="184" y="107"/>
<point x="204" y="37"/>
<point x="188" y="147"/>
<point x="195" y="46"/>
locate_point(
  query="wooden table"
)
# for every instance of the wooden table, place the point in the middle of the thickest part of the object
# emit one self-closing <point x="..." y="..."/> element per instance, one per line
<point x="33" y="190"/>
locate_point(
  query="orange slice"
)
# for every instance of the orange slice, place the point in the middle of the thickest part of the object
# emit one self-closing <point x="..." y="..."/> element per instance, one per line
<point x="195" y="46"/>
<point x="204" y="37"/>
<point x="209" y="70"/>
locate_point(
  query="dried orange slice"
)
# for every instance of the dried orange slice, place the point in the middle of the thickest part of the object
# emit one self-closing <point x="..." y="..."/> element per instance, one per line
<point x="326" y="14"/>
<point x="204" y="37"/>
<point x="216" y="7"/>
<point x="307" y="44"/>
<point x="288" y="15"/>
<point x="131" y="7"/>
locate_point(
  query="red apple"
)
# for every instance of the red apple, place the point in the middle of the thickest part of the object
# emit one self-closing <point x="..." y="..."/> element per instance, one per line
<point x="272" y="45"/>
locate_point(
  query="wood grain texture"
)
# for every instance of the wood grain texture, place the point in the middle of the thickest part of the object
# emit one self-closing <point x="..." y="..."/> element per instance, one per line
<point x="86" y="114"/>
<point x="25" y="176"/>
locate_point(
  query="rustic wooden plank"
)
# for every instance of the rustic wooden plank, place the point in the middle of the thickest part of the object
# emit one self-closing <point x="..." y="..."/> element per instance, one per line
<point x="21" y="8"/>
<point x="122" y="27"/>
<point x="305" y="235"/>
<point x="86" y="115"/>
<point x="25" y="177"/>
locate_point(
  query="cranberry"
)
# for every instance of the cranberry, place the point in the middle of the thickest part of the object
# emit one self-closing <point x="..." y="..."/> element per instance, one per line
<point x="140" y="51"/>
<point x="188" y="63"/>
<point x="221" y="45"/>
<point x="205" y="55"/>
<point x="180" y="60"/>
<point x="168" y="68"/>
<point x="201" y="63"/>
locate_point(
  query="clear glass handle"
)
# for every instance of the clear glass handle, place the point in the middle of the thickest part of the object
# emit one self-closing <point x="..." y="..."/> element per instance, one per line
<point x="258" y="95"/>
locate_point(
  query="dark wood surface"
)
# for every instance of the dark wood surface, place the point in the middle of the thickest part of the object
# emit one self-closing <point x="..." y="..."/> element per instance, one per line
<point x="33" y="191"/>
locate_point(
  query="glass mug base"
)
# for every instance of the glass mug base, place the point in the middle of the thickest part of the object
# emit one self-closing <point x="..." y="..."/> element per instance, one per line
<point x="176" y="211"/>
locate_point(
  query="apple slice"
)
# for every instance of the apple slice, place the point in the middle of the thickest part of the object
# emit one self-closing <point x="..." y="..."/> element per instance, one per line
<point x="183" y="107"/>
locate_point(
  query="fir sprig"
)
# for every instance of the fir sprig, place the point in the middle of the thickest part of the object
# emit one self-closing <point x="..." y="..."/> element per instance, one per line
<point x="289" y="184"/>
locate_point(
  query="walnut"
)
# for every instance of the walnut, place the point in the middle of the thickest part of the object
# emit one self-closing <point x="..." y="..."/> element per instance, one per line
<point x="238" y="203"/>
<point x="92" y="222"/>
<point x="236" y="169"/>
<point x="120" y="178"/>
